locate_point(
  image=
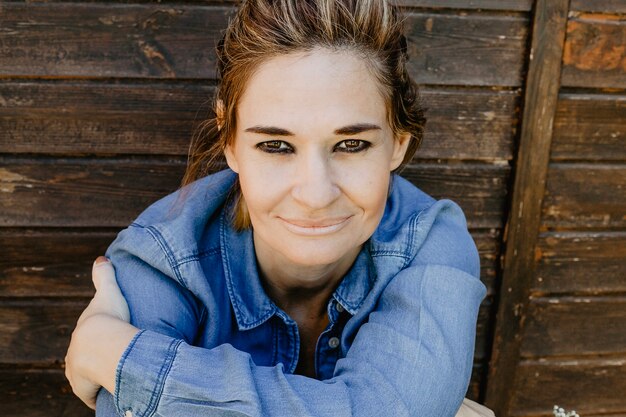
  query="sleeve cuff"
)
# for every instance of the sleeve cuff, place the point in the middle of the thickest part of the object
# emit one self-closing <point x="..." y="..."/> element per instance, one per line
<point x="141" y="373"/>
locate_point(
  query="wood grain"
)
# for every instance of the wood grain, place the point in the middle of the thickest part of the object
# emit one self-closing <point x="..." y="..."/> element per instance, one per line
<point x="480" y="189"/>
<point x="178" y="41"/>
<point x="83" y="192"/>
<point x="590" y="386"/>
<point x="467" y="49"/>
<point x="590" y="127"/>
<point x="584" y="263"/>
<point x="37" y="331"/>
<point x="513" y="5"/>
<point x="580" y="326"/>
<point x="49" y="263"/>
<point x="585" y="196"/>
<point x="100" y="117"/>
<point x="470" y="124"/>
<point x="550" y="18"/>
<point x="595" y="51"/>
<point x="110" y="40"/>
<point x="39" y="393"/>
<point x="600" y="6"/>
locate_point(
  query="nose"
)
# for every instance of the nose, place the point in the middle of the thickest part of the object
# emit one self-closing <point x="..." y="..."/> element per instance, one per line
<point x="314" y="184"/>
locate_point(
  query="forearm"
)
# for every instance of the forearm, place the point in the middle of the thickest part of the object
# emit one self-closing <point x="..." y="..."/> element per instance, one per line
<point x="100" y="342"/>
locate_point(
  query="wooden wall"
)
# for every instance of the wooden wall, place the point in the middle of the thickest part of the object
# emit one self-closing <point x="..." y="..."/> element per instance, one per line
<point x="98" y="101"/>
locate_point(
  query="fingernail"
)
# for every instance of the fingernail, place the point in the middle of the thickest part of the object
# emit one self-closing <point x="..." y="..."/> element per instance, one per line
<point x="101" y="260"/>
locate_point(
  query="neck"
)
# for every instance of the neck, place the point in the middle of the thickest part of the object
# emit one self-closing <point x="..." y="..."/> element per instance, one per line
<point x="301" y="290"/>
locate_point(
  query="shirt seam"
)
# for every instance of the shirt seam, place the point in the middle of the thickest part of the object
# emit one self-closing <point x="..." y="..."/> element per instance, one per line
<point x="160" y="240"/>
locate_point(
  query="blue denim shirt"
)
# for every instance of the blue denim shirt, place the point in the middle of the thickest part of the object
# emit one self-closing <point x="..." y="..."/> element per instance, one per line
<point x="400" y="340"/>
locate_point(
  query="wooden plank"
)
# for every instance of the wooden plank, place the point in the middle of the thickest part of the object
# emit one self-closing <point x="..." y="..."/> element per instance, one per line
<point x="575" y="326"/>
<point x="82" y="192"/>
<point x="100" y="118"/>
<point x="595" y="51"/>
<point x="178" y="41"/>
<point x="512" y="5"/>
<point x="585" y="196"/>
<point x="580" y="263"/>
<point x="590" y="127"/>
<point x="488" y="243"/>
<point x="112" y="192"/>
<point x="590" y="386"/>
<point x="548" y="35"/>
<point x="39" y="393"/>
<point x="469" y="124"/>
<point x="49" y="263"/>
<point x="467" y="50"/>
<point x="598" y="6"/>
<point x="480" y="189"/>
<point x="110" y="40"/>
<point x="130" y="118"/>
<point x="37" y="331"/>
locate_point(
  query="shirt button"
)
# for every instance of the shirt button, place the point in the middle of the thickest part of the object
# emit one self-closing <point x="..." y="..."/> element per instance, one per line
<point x="128" y="413"/>
<point x="339" y="308"/>
<point x="333" y="342"/>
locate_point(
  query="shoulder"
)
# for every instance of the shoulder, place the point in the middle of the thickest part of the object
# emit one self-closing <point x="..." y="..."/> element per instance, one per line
<point x="423" y="230"/>
<point x="171" y="229"/>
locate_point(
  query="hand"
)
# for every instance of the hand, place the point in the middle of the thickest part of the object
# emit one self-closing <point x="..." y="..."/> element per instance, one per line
<point x="100" y="337"/>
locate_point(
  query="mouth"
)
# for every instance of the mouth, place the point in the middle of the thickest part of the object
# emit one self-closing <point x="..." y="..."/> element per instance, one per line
<point x="315" y="227"/>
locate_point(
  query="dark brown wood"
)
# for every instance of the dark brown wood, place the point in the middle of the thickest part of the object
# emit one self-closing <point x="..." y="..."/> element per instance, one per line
<point x="488" y="244"/>
<point x="580" y="263"/>
<point x="37" y="331"/>
<point x="39" y="393"/>
<point x="575" y="326"/>
<point x="585" y="196"/>
<point x="513" y="5"/>
<point x="100" y="118"/>
<point x="110" y="40"/>
<point x="130" y="118"/>
<point x="594" y="53"/>
<point x="601" y="6"/>
<point x="590" y="127"/>
<point x="469" y="124"/>
<point x="590" y="386"/>
<point x="83" y="192"/>
<point x="112" y="192"/>
<point x="480" y="189"/>
<point x="178" y="41"/>
<point x="52" y="263"/>
<point x="467" y="49"/>
<point x="550" y="18"/>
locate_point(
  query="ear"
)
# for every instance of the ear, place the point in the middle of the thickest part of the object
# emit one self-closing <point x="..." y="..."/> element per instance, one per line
<point x="231" y="160"/>
<point x="220" y="113"/>
<point x="400" y="145"/>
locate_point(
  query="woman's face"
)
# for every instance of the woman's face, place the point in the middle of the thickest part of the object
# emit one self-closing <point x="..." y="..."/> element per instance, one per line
<point x="314" y="152"/>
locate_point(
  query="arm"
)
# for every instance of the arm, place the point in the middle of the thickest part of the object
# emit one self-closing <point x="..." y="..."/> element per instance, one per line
<point x="416" y="367"/>
<point x="413" y="370"/>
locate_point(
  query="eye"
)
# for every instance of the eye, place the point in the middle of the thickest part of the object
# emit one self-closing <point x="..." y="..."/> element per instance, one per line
<point x="352" y="145"/>
<point x="275" y="146"/>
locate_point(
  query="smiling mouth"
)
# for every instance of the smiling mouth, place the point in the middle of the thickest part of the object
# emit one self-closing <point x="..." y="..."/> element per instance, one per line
<point x="315" y="228"/>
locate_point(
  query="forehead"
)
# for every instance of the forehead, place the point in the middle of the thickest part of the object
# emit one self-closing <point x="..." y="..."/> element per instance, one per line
<point x="317" y="87"/>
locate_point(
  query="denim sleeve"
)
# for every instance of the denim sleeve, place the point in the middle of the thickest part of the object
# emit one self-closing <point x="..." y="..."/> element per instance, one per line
<point x="145" y="279"/>
<point x="412" y="358"/>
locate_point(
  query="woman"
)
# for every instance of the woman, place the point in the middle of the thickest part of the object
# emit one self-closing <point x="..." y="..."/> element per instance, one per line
<point x="307" y="279"/>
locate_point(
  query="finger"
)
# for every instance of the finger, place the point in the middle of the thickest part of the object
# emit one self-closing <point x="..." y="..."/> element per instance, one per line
<point x="102" y="272"/>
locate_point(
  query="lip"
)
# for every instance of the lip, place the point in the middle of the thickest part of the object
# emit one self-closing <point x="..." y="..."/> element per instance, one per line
<point x="315" y="227"/>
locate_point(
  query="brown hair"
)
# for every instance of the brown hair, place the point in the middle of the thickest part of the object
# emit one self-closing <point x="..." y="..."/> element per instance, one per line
<point x="262" y="29"/>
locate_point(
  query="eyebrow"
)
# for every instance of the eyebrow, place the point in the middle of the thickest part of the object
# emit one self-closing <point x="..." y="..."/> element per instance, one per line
<point x="345" y="130"/>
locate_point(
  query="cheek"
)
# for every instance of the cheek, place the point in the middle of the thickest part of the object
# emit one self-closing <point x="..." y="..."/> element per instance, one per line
<point x="368" y="188"/>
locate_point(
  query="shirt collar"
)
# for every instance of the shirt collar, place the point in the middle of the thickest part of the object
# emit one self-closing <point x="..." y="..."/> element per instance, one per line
<point x="251" y="304"/>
